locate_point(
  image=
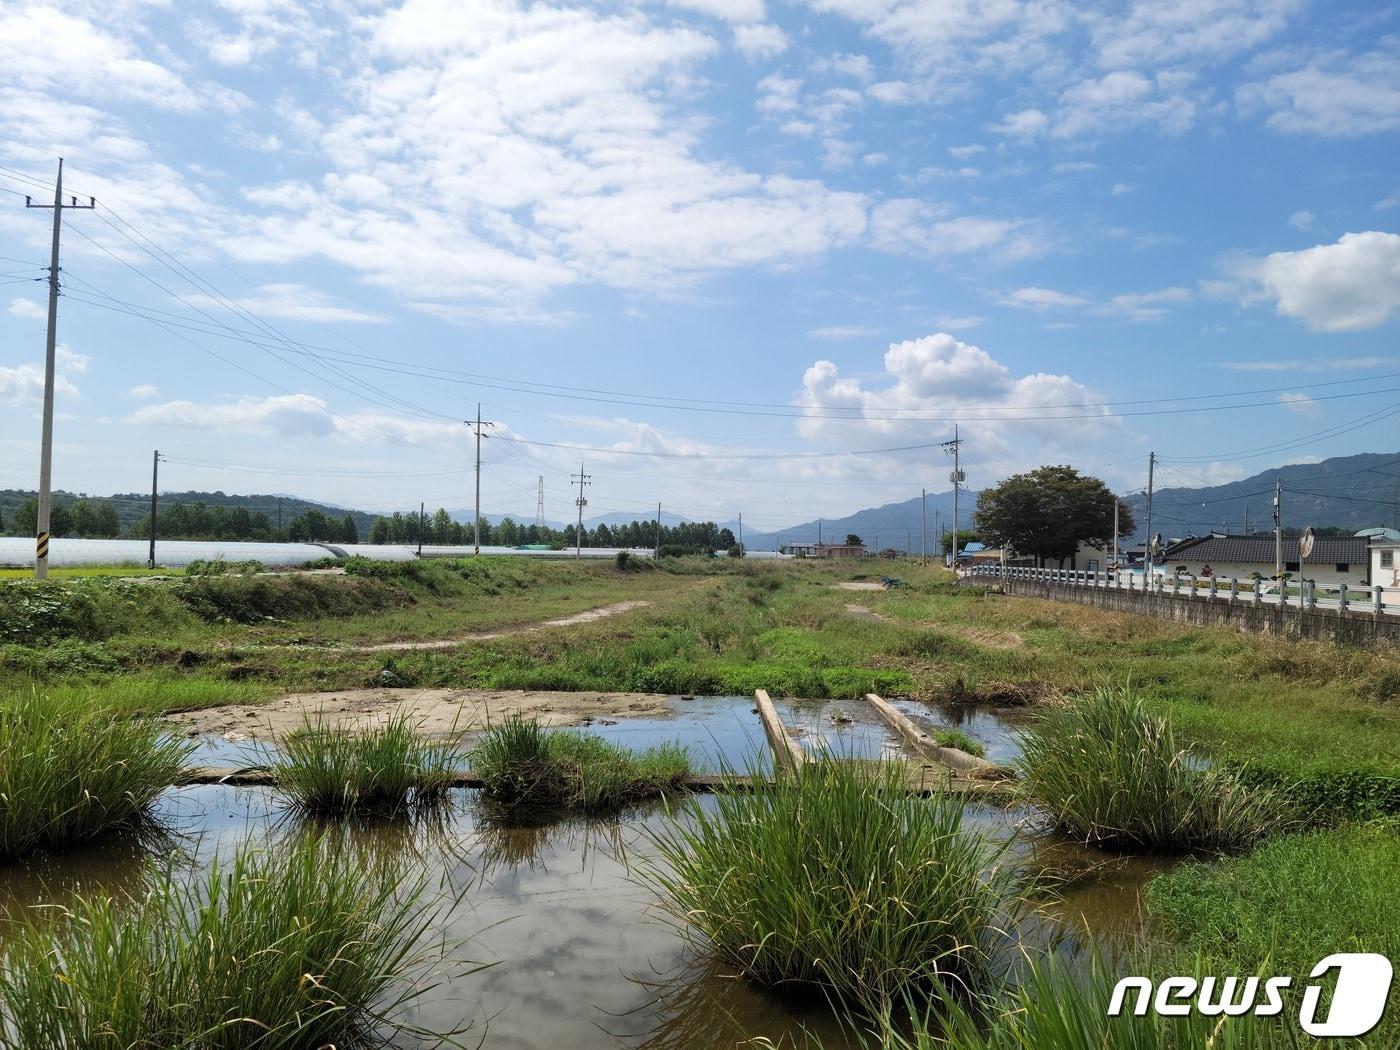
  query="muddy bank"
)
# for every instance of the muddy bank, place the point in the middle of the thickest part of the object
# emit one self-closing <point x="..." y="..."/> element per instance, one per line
<point x="587" y="616"/>
<point x="439" y="710"/>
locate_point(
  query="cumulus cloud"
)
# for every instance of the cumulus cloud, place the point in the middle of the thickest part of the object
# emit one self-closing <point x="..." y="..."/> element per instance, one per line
<point x="728" y="10"/>
<point x="28" y="308"/>
<point x="760" y="41"/>
<point x="1296" y="401"/>
<point x="929" y="383"/>
<point x="22" y="385"/>
<point x="143" y="392"/>
<point x="1302" y="220"/>
<point x="1348" y="286"/>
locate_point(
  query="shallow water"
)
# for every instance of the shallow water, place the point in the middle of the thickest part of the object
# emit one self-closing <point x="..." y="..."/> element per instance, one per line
<point x="995" y="728"/>
<point x="582" y="956"/>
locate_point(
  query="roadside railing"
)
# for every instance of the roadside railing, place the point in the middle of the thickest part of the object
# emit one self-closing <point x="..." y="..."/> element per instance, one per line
<point x="1304" y="594"/>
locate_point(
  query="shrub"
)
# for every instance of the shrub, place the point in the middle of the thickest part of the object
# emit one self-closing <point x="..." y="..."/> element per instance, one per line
<point x="836" y="880"/>
<point x="519" y="761"/>
<point x="622" y="560"/>
<point x="71" y="770"/>
<point x="219" y="567"/>
<point x="333" y="769"/>
<point x="1110" y="773"/>
<point x="303" y="947"/>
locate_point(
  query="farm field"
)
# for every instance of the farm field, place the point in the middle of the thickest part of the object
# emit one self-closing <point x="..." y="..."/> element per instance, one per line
<point x="1252" y="778"/>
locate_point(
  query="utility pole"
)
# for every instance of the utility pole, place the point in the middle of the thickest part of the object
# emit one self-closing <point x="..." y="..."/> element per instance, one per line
<point x="1113" y="559"/>
<point x="741" y="535"/>
<point x="279" y="514"/>
<point x="155" y="475"/>
<point x="476" y="521"/>
<point x="539" y="506"/>
<point x="656" y="548"/>
<point x="1278" y="529"/>
<point x="954" y="448"/>
<point x="1147" y="544"/>
<point x="41" y="532"/>
<point x="937" y="530"/>
<point x="923" y="528"/>
<point x="819" y="532"/>
<point x="422" y="525"/>
<point x="1246" y="519"/>
<point x="581" y="479"/>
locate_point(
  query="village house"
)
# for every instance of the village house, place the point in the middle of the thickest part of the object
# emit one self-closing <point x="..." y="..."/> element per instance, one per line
<point x="1385" y="560"/>
<point x="1334" y="559"/>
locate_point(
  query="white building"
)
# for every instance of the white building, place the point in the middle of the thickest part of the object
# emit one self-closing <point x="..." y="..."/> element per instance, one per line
<point x="1333" y="560"/>
<point x="1385" y="562"/>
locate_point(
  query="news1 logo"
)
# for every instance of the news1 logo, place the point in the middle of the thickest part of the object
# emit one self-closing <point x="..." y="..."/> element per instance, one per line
<point x="1358" y="999"/>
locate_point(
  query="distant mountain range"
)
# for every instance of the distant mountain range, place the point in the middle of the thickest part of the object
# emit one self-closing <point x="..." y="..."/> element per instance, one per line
<point x="1350" y="492"/>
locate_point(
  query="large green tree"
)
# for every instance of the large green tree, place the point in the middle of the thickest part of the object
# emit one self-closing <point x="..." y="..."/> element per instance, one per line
<point x="1048" y="512"/>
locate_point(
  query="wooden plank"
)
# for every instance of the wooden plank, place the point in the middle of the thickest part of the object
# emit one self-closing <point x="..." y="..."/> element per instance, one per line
<point x="787" y="751"/>
<point x="952" y="757"/>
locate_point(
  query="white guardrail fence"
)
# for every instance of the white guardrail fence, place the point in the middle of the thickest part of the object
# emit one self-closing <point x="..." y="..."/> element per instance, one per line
<point x="1305" y="594"/>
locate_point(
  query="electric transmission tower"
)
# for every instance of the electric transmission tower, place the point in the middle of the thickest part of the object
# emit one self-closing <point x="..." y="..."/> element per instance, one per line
<point x="539" y="505"/>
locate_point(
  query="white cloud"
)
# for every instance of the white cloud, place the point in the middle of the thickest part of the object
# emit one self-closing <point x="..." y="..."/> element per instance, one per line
<point x="28" y="308"/>
<point x="842" y="331"/>
<point x="22" y="385"/>
<point x="1302" y="220"/>
<point x="1120" y="188"/>
<point x="1036" y="298"/>
<point x="1023" y="124"/>
<point x="1316" y="364"/>
<point x="761" y="41"/>
<point x="1338" y="95"/>
<point x="1344" y="287"/>
<point x="727" y="10"/>
<point x="143" y="392"/>
<point x="928" y="383"/>
<point x="916" y="227"/>
<point x="294" y="302"/>
<point x="1154" y="33"/>
<point x="1146" y="306"/>
<point x="1298" y="402"/>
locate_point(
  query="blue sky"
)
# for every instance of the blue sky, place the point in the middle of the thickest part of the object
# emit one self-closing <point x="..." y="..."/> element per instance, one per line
<point x="753" y="240"/>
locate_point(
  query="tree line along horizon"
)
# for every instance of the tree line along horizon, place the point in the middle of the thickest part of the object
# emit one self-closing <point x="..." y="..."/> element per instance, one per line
<point x="1045" y="514"/>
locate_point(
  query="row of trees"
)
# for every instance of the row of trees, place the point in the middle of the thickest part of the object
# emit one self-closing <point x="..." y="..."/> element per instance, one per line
<point x="98" y="519"/>
<point x="439" y="529"/>
<point x="92" y="520"/>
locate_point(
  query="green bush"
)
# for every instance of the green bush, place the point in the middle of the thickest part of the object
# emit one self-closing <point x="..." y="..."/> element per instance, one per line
<point x="71" y="770"/>
<point x="519" y="761"/>
<point x="836" y="880"/>
<point x="219" y="567"/>
<point x="1111" y="773"/>
<point x="389" y="767"/>
<point x="303" y="947"/>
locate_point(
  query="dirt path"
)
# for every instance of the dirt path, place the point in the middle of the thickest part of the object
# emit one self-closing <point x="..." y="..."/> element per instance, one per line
<point x="861" y="612"/>
<point x="439" y="710"/>
<point x="587" y="616"/>
<point x="859" y="585"/>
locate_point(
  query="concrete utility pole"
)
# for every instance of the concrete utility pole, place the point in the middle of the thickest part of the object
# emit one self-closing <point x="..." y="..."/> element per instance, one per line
<point x="923" y="527"/>
<point x="1147" y="545"/>
<point x="155" y="475"/>
<point x="41" y="532"/>
<point x="954" y="448"/>
<point x="1113" y="559"/>
<point x="741" y="535"/>
<point x="476" y="521"/>
<point x="1278" y="530"/>
<point x="656" y="548"/>
<point x="581" y="479"/>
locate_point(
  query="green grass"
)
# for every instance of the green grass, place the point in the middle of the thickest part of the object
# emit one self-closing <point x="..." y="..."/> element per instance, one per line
<point x="1110" y="772"/>
<point x="836" y="881"/>
<point x="71" y="770"/>
<point x="301" y="947"/>
<point x="331" y="769"/>
<point x="521" y="762"/>
<point x="945" y="736"/>
<point x="81" y="571"/>
<point x="1291" y="901"/>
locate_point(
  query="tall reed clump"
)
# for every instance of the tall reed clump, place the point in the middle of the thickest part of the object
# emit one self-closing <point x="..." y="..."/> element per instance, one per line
<point x="332" y="769"/>
<point x="519" y="761"/>
<point x="302" y="946"/>
<point x="71" y="770"/>
<point x="837" y="880"/>
<point x="1111" y="773"/>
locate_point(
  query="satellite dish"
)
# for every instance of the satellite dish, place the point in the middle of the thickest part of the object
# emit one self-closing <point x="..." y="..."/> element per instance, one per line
<point x="1305" y="543"/>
